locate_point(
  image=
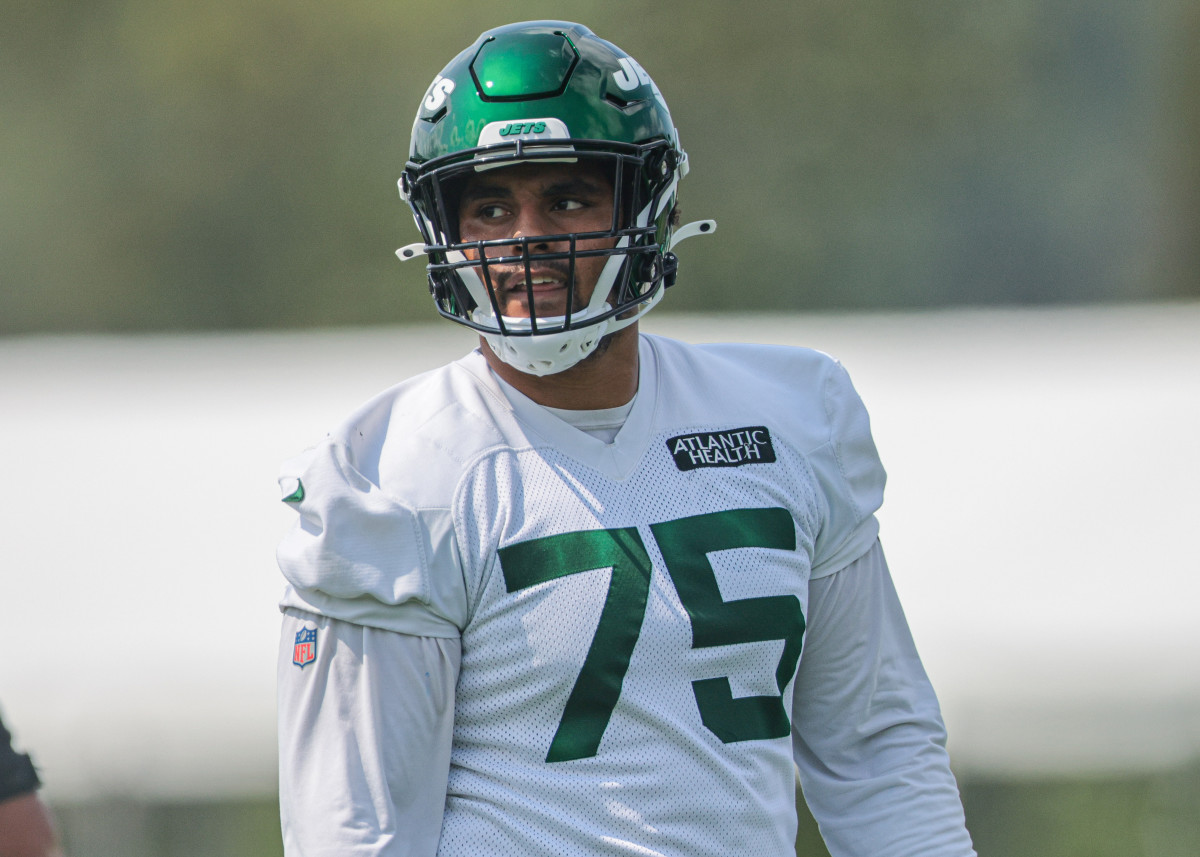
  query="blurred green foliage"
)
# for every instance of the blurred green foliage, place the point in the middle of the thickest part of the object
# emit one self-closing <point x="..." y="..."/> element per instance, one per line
<point x="178" y="165"/>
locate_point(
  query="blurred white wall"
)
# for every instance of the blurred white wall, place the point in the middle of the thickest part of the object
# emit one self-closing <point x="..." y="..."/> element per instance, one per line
<point x="1040" y="521"/>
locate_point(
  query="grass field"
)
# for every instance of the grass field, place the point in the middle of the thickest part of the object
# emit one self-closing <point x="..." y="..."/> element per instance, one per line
<point x="1150" y="815"/>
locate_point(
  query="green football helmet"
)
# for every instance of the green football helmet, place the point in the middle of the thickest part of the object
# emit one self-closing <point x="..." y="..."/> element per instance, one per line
<point x="552" y="92"/>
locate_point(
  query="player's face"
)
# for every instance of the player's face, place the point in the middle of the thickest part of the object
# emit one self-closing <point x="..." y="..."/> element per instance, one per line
<point x="539" y="199"/>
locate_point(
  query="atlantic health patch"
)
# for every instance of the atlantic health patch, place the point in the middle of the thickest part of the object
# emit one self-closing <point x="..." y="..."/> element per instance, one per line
<point x="731" y="448"/>
<point x="305" y="650"/>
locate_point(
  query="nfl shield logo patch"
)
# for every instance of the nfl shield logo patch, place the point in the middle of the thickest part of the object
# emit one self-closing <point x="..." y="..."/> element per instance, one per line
<point x="305" y="650"/>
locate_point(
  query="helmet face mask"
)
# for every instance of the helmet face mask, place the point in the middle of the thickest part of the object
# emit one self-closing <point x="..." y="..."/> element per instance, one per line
<point x="460" y="271"/>
<point x="545" y="93"/>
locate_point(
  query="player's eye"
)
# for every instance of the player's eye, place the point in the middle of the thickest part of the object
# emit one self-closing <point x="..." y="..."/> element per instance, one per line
<point x="569" y="205"/>
<point x="489" y="212"/>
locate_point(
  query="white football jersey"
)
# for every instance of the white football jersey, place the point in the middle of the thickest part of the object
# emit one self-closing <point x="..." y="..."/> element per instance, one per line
<point x="631" y="614"/>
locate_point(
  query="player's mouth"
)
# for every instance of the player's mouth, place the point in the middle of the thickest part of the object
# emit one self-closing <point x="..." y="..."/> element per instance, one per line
<point x="537" y="284"/>
<point x="548" y="285"/>
<point x="540" y="280"/>
<point x="514" y="285"/>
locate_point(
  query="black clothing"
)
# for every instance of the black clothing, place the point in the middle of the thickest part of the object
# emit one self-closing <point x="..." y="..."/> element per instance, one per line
<point x="17" y="774"/>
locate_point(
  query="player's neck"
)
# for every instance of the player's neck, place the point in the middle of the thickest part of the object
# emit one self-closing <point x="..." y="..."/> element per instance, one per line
<point x="608" y="378"/>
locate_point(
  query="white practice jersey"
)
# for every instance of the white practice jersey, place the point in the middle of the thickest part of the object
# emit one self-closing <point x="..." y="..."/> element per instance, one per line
<point x="630" y="616"/>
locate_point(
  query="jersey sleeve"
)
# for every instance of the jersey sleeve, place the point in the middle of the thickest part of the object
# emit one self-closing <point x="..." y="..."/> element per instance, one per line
<point x="366" y="720"/>
<point x="850" y="476"/>
<point x="867" y="732"/>
<point x="358" y="554"/>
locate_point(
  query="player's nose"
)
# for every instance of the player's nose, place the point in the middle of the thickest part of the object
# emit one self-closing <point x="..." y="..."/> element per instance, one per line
<point x="532" y="223"/>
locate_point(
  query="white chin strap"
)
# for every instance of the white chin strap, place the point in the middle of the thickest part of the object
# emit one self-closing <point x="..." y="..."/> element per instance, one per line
<point x="546" y="353"/>
<point x="550" y="353"/>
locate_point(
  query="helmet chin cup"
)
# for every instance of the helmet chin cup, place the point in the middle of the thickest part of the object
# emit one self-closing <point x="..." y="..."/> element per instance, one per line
<point x="546" y="353"/>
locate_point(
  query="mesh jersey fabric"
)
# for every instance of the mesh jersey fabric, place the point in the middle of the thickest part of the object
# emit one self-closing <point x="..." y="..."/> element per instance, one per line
<point x="597" y="586"/>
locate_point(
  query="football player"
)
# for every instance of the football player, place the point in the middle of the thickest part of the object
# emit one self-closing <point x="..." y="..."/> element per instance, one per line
<point x="26" y="829"/>
<point x="588" y="591"/>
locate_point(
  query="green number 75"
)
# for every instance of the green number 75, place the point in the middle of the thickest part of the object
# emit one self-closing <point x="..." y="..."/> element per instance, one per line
<point x="685" y="544"/>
